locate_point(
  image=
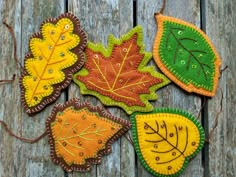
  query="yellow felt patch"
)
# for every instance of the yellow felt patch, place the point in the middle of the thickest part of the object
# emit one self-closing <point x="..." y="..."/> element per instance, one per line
<point x="55" y="54"/>
<point x="165" y="141"/>
<point x="51" y="55"/>
<point x="80" y="134"/>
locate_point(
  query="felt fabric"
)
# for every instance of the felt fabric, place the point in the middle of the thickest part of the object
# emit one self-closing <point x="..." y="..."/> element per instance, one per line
<point x="118" y="75"/>
<point x="79" y="134"/>
<point x="186" y="55"/>
<point x="166" y="139"/>
<point x="55" y="53"/>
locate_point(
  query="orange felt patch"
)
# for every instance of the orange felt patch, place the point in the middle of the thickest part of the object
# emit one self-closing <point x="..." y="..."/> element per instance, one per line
<point x="80" y="134"/>
<point x="123" y="81"/>
<point x="118" y="75"/>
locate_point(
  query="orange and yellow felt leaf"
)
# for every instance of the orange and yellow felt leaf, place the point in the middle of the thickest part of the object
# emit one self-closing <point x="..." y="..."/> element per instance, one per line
<point x="55" y="54"/>
<point x="80" y="134"/>
<point x="166" y="139"/>
<point x="186" y="55"/>
<point x="118" y="75"/>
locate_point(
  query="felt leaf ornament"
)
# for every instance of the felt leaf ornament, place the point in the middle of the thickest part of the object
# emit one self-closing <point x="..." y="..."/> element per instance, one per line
<point x="166" y="139"/>
<point x="56" y="53"/>
<point x="186" y="55"/>
<point x="118" y="75"/>
<point x="79" y="134"/>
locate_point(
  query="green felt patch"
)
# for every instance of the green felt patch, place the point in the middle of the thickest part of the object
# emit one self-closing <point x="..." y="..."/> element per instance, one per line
<point x="186" y="55"/>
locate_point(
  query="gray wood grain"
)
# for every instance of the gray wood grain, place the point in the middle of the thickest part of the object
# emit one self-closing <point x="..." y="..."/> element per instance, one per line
<point x="19" y="158"/>
<point x="220" y="27"/>
<point x="99" y="19"/>
<point x="38" y="159"/>
<point x="9" y="147"/>
<point x="171" y="96"/>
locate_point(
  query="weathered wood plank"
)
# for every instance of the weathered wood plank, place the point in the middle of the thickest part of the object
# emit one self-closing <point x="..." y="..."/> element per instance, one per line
<point x="99" y="19"/>
<point x="38" y="160"/>
<point x="220" y="26"/>
<point x="9" y="147"/>
<point x="171" y="96"/>
<point x="19" y="158"/>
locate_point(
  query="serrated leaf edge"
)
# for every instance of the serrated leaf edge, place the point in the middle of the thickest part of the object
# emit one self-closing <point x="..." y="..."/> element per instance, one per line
<point x="68" y="71"/>
<point x="77" y="104"/>
<point x="112" y="40"/>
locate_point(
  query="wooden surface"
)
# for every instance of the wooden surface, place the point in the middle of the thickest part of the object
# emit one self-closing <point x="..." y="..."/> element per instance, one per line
<point x="100" y="18"/>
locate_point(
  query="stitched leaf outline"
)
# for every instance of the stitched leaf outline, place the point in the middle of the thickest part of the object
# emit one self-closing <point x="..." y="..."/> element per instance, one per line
<point x="186" y="55"/>
<point x="56" y="53"/>
<point x="80" y="134"/>
<point x="166" y="139"/>
<point x="118" y="75"/>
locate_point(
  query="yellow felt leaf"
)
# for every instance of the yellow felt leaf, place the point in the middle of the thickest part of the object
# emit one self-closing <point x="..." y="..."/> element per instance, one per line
<point x="52" y="52"/>
<point x="166" y="140"/>
<point x="51" y="56"/>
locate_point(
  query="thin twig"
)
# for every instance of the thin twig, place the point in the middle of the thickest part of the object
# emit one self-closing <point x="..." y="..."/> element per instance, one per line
<point x="15" y="45"/>
<point x="129" y="139"/>
<point x="162" y="8"/>
<point x="207" y="141"/>
<point x="217" y="116"/>
<point x="222" y="70"/>
<point x="21" y="138"/>
<point x="8" y="80"/>
<point x="199" y="113"/>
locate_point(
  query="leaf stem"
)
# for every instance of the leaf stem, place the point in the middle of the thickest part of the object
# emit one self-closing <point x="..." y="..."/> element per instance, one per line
<point x="131" y="85"/>
<point x="130" y="98"/>
<point x="65" y="149"/>
<point x="121" y="67"/>
<point x="102" y="74"/>
<point x="48" y="60"/>
<point x="201" y="64"/>
<point x="84" y="132"/>
<point x="164" y="138"/>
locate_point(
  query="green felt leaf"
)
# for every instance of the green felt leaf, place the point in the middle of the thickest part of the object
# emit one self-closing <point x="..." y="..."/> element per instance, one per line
<point x="187" y="55"/>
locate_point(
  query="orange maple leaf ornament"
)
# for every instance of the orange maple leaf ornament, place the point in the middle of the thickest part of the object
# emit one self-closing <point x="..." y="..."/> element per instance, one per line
<point x="56" y="53"/>
<point x="118" y="75"/>
<point x="79" y="134"/>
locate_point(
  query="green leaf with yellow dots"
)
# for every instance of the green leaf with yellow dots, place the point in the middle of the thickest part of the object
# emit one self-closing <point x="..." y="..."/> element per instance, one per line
<point x="186" y="55"/>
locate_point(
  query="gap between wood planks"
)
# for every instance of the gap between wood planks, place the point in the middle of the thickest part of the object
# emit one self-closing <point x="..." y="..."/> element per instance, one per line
<point x="205" y="123"/>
